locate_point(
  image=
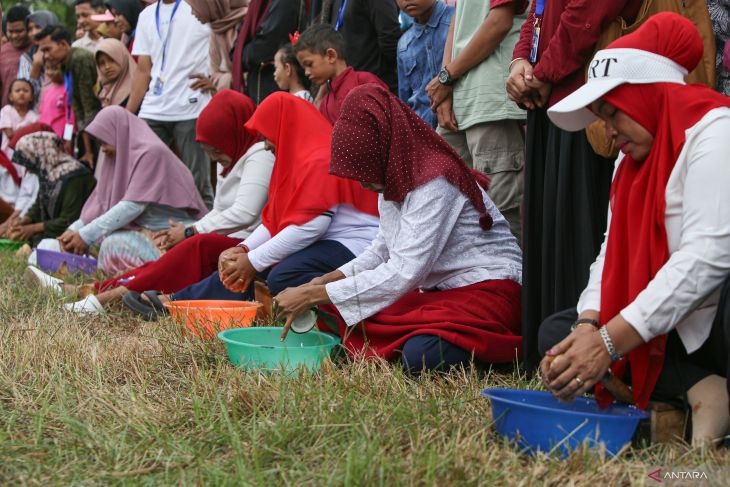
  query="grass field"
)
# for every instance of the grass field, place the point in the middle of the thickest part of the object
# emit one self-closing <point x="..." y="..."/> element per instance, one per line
<point x="115" y="401"/>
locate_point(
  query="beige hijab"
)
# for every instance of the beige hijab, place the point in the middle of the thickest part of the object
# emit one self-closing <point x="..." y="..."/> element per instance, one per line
<point x="224" y="17"/>
<point x="115" y="92"/>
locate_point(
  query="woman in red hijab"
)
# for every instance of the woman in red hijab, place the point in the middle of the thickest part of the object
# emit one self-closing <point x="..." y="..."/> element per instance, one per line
<point x="441" y="282"/>
<point x="651" y="304"/>
<point x="312" y="223"/>
<point x="242" y="191"/>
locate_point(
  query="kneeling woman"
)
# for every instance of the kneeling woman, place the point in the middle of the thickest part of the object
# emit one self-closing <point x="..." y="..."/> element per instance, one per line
<point x="653" y="292"/>
<point x="241" y="193"/>
<point x="141" y="186"/>
<point x="312" y="223"/>
<point x="441" y="282"/>
<point x="65" y="184"/>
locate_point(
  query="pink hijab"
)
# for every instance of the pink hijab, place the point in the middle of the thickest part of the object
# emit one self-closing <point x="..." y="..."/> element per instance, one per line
<point x="144" y="169"/>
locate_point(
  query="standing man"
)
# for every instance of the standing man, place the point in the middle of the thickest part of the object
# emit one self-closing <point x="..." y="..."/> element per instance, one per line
<point x="371" y="30"/>
<point x="85" y="9"/>
<point x="79" y="74"/>
<point x="11" y="52"/>
<point x="470" y="99"/>
<point x="172" y="46"/>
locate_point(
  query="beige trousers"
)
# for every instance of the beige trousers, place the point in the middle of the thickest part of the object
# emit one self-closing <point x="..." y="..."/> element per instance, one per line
<point x="497" y="149"/>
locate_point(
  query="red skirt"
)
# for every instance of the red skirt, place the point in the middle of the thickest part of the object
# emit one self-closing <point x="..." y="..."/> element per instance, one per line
<point x="483" y="319"/>
<point x="188" y="262"/>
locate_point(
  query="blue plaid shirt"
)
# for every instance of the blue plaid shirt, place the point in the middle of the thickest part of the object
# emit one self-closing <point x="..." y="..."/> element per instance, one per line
<point x="420" y="54"/>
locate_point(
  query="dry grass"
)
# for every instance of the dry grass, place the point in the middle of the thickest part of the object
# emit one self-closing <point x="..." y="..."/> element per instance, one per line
<point x="112" y="400"/>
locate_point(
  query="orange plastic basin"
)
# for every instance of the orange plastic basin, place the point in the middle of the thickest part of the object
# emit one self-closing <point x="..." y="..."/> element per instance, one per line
<point x="205" y="318"/>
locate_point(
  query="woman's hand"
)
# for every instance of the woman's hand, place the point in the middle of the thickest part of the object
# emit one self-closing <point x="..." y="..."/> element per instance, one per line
<point x="72" y="243"/>
<point x="167" y="239"/>
<point x="333" y="276"/>
<point x="575" y="365"/>
<point x="23" y="233"/>
<point x="294" y="301"/>
<point x="203" y="83"/>
<point x="236" y="271"/>
<point x="517" y="89"/>
<point x="88" y="158"/>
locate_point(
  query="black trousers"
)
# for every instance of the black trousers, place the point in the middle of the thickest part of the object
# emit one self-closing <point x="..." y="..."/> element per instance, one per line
<point x="681" y="370"/>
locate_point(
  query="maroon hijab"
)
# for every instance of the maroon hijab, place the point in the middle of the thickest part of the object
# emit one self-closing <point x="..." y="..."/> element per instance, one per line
<point x="257" y="10"/>
<point x="379" y="140"/>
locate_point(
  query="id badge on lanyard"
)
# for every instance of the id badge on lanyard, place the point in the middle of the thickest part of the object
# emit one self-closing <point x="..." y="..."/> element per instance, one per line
<point x="159" y="84"/>
<point x="68" y="128"/>
<point x="539" y="9"/>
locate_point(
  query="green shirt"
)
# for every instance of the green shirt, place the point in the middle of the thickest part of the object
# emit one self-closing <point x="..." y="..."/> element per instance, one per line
<point x="73" y="196"/>
<point x="480" y="95"/>
<point x="84" y="102"/>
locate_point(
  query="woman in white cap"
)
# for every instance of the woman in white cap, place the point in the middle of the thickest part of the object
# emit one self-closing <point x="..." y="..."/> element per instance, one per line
<point x="650" y="312"/>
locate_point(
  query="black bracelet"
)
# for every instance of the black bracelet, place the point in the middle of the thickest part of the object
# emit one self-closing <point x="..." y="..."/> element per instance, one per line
<point x="585" y="321"/>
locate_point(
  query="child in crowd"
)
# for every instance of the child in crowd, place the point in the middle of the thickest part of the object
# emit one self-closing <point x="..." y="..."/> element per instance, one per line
<point x="289" y="74"/>
<point x="115" y="68"/>
<point x="320" y="50"/>
<point x="53" y="107"/>
<point x="18" y="112"/>
<point x="420" y="52"/>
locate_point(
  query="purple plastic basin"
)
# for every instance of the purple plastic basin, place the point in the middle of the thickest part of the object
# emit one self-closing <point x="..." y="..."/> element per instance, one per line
<point x="50" y="261"/>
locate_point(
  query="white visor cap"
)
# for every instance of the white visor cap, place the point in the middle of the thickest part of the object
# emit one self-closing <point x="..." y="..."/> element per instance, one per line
<point x="609" y="69"/>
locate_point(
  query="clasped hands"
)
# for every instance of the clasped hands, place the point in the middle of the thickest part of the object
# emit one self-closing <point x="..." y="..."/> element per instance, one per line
<point x="72" y="243"/>
<point x="572" y="367"/>
<point x="525" y="89"/>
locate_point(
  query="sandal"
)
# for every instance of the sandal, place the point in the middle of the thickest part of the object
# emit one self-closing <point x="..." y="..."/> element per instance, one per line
<point x="157" y="305"/>
<point x="149" y="309"/>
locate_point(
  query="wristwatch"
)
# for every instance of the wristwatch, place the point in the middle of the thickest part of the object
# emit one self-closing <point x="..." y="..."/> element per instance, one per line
<point x="585" y="321"/>
<point x="189" y="231"/>
<point x="445" y="77"/>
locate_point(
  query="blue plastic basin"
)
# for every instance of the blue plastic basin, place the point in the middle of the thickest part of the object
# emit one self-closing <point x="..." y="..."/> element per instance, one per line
<point x="539" y="422"/>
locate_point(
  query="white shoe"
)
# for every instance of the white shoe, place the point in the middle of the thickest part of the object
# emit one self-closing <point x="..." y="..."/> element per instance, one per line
<point x="90" y="305"/>
<point x="37" y="277"/>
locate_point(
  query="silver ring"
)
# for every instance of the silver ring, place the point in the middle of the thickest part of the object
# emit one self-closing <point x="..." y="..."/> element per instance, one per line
<point x="578" y="381"/>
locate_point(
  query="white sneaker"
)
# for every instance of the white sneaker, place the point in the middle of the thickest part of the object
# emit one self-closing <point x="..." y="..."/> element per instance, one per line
<point x="37" y="277"/>
<point x="90" y="305"/>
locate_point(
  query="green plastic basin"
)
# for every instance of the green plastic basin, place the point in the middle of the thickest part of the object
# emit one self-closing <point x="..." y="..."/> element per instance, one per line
<point x="259" y="348"/>
<point x="10" y="245"/>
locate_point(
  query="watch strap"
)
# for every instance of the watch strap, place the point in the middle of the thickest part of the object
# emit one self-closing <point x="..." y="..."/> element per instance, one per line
<point x="585" y="321"/>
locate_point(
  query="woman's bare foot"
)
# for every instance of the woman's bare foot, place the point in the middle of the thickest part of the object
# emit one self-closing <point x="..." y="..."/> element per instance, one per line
<point x="108" y="297"/>
<point x="710" y="418"/>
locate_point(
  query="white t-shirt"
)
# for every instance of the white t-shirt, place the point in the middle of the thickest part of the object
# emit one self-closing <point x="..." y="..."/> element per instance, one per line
<point x="187" y="53"/>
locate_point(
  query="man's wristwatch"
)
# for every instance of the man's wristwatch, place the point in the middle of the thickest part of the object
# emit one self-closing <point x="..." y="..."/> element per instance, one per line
<point x="445" y="77"/>
<point x="189" y="231"/>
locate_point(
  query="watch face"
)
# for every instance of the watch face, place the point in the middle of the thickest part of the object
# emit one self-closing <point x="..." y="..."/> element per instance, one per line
<point x="443" y="76"/>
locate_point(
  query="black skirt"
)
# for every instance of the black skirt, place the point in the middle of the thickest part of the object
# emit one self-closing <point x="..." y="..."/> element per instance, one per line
<point x="566" y="205"/>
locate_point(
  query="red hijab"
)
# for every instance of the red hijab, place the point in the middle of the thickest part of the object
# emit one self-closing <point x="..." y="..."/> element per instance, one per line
<point x="5" y="161"/>
<point x="301" y="188"/>
<point x="221" y="125"/>
<point x="379" y="140"/>
<point x="27" y="130"/>
<point x="637" y="241"/>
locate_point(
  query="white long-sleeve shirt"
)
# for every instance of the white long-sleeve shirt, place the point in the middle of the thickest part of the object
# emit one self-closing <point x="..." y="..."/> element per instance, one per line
<point x="241" y="195"/>
<point x="21" y="198"/>
<point x="343" y="223"/>
<point x="432" y="240"/>
<point x="685" y="292"/>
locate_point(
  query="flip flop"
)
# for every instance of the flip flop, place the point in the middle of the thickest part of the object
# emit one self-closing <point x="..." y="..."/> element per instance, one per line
<point x="133" y="300"/>
<point x="157" y="305"/>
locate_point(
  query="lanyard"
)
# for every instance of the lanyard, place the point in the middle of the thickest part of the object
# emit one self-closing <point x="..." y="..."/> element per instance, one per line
<point x="169" y="30"/>
<point x="539" y="8"/>
<point x="68" y="83"/>
<point x="341" y="15"/>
